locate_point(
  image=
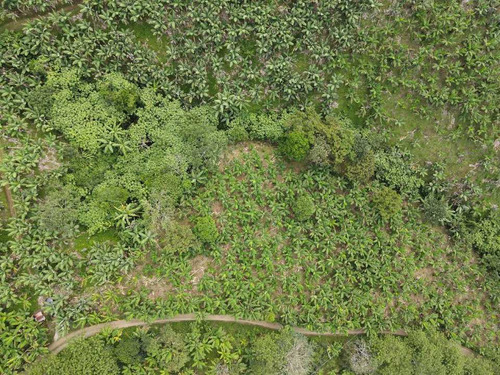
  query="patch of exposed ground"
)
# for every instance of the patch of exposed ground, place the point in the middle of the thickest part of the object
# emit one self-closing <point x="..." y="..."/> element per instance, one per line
<point x="217" y="208"/>
<point x="49" y="161"/>
<point x="426" y="274"/>
<point x="199" y="265"/>
<point x="234" y="152"/>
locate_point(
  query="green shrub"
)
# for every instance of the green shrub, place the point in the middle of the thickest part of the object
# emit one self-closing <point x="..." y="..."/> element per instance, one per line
<point x="436" y="209"/>
<point x="79" y="112"/>
<point x="116" y="90"/>
<point x="128" y="350"/>
<point x="178" y="239"/>
<point x="108" y="194"/>
<point x="237" y="132"/>
<point x="264" y="128"/>
<point x="423" y="353"/>
<point x="387" y="202"/>
<point x="361" y="170"/>
<point x="259" y="127"/>
<point x="295" y="146"/>
<point x="393" y="355"/>
<point x="166" y="351"/>
<point x="320" y="152"/>
<point x="477" y="365"/>
<point x="58" y="211"/>
<point x="434" y="354"/>
<point x="95" y="217"/>
<point x="485" y="238"/>
<point x="206" y="230"/>
<point x="304" y="207"/>
<point x="324" y="142"/>
<point x="168" y="183"/>
<point x="340" y="137"/>
<point x="81" y="357"/>
<point x="395" y="169"/>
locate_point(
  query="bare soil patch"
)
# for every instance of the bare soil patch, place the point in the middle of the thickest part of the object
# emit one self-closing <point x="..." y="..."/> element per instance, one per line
<point x="199" y="264"/>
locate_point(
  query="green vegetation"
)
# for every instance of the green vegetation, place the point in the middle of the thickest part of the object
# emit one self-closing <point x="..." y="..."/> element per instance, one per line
<point x="387" y="202"/>
<point x="332" y="165"/>
<point x="205" y="229"/>
<point x="303" y="207"/>
<point x="210" y="348"/>
<point x="266" y="254"/>
<point x="295" y="146"/>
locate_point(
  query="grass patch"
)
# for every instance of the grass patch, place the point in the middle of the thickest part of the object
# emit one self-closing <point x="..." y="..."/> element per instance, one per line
<point x="145" y="33"/>
<point x="84" y="241"/>
<point x="439" y="139"/>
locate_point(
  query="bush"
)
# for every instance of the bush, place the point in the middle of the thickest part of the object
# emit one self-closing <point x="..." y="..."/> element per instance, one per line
<point x="425" y="353"/>
<point x="387" y="202"/>
<point x="340" y="137"/>
<point x="81" y="357"/>
<point x="361" y="170"/>
<point x="264" y="128"/>
<point x="295" y="146"/>
<point x="434" y="354"/>
<point x="58" y="211"/>
<point x="167" y="351"/>
<point x="237" y="132"/>
<point x="436" y="209"/>
<point x="82" y="115"/>
<point x="395" y="169"/>
<point x="267" y="356"/>
<point x="127" y="351"/>
<point x="393" y="355"/>
<point x="206" y="230"/>
<point x="320" y="152"/>
<point x="178" y="239"/>
<point x="95" y="217"/>
<point x="304" y="207"/>
<point x="117" y="91"/>
<point x="260" y="127"/>
<point x="110" y="195"/>
<point x="332" y="140"/>
<point x="485" y="239"/>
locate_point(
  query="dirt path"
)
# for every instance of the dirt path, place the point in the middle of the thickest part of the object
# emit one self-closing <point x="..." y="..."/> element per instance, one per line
<point x="10" y="201"/>
<point x="61" y="343"/>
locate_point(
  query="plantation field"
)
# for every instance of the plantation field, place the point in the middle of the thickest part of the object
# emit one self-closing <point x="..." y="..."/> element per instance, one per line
<point x="438" y="134"/>
<point x="342" y="268"/>
<point x="329" y="165"/>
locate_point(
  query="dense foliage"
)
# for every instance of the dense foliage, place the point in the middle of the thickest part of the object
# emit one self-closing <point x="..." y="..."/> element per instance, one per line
<point x="221" y="349"/>
<point x="359" y="188"/>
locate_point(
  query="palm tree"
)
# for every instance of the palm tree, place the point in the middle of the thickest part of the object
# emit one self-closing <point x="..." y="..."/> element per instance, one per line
<point x="126" y="212"/>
